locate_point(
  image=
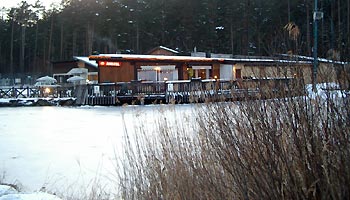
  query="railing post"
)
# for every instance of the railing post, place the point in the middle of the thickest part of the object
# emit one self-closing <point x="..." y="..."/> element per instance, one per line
<point x="13" y="92"/>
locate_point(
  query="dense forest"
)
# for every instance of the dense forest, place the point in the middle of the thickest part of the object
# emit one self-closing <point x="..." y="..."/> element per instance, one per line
<point x="32" y="37"/>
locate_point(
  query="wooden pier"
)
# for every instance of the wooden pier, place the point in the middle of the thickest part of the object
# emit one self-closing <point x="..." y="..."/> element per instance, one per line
<point x="183" y="91"/>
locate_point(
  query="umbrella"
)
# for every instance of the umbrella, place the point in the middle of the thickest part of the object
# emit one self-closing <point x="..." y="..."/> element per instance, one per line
<point x="43" y="84"/>
<point x="76" y="71"/>
<point x="46" y="79"/>
<point x="75" y="79"/>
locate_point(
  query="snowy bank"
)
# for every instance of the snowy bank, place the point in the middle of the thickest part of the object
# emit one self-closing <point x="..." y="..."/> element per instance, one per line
<point x="9" y="193"/>
<point x="324" y="90"/>
<point x="6" y="189"/>
<point x="14" y="102"/>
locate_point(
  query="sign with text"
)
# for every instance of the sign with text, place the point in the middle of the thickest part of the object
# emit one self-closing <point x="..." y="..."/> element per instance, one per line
<point x="109" y="64"/>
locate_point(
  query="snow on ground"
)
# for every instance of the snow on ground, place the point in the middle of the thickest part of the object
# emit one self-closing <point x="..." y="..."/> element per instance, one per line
<point x="30" y="196"/>
<point x="9" y="193"/>
<point x="324" y="90"/>
<point x="6" y="189"/>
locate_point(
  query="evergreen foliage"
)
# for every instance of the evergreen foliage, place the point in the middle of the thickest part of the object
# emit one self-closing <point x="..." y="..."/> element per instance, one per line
<point x="32" y="37"/>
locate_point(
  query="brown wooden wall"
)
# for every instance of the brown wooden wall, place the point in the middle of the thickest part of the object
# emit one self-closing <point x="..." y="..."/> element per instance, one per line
<point x="124" y="73"/>
<point x="216" y="71"/>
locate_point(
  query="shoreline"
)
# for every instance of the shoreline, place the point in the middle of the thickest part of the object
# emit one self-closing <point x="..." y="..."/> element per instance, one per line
<point x="20" y="102"/>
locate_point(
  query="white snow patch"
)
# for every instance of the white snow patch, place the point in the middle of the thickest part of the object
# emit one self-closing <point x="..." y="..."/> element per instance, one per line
<point x="31" y="196"/>
<point x="6" y="189"/>
<point x="28" y="101"/>
<point x="324" y="90"/>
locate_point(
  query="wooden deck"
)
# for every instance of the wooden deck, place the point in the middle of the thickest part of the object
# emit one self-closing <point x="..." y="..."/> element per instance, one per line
<point x="187" y="91"/>
<point x="135" y="92"/>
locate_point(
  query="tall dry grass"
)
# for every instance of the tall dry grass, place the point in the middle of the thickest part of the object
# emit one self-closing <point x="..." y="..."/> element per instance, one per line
<point x="295" y="147"/>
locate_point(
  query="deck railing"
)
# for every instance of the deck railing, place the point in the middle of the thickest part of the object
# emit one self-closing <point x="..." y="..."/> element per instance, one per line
<point x="183" y="91"/>
<point x="35" y="92"/>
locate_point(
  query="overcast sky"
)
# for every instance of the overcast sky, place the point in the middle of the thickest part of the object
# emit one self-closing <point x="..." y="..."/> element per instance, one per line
<point x="14" y="3"/>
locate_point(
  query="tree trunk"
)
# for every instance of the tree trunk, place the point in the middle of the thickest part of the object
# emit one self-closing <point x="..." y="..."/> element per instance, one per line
<point x="339" y="28"/>
<point x="308" y="31"/>
<point x="35" y="67"/>
<point x="288" y="11"/>
<point x="1" y="55"/>
<point x="138" y="38"/>
<point x="163" y="22"/>
<point x="23" y="44"/>
<point x="74" y="42"/>
<point x="321" y="40"/>
<point x="333" y="42"/>
<point x="61" y="42"/>
<point x="90" y="37"/>
<point x="43" y="67"/>
<point x="48" y="63"/>
<point x="245" y="45"/>
<point x="231" y="38"/>
<point x="348" y="28"/>
<point x="11" y="51"/>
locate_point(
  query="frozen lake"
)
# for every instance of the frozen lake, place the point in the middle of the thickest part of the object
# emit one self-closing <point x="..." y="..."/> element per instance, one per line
<point x="60" y="147"/>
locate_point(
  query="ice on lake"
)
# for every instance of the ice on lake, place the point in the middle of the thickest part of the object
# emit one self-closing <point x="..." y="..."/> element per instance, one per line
<point x="60" y="147"/>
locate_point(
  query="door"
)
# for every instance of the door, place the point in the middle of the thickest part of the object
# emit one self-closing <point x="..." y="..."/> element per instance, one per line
<point x="238" y="73"/>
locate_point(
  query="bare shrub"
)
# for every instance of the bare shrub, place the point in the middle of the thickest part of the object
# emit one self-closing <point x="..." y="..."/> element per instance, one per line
<point x="295" y="147"/>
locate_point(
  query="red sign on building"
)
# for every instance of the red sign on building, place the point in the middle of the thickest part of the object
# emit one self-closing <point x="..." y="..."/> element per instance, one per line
<point x="108" y="64"/>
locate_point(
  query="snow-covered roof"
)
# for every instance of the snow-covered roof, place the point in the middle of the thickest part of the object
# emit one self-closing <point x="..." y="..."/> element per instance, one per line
<point x="86" y="60"/>
<point x="168" y="49"/>
<point x="267" y="60"/>
<point x="151" y="52"/>
<point x="162" y="58"/>
<point x="126" y="57"/>
<point x="311" y="59"/>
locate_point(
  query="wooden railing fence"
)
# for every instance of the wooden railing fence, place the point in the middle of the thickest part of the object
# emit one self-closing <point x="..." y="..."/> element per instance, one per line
<point x="185" y="91"/>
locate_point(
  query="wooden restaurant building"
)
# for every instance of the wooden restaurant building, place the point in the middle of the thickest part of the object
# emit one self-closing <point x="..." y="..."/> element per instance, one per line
<point x="125" y="68"/>
<point x="163" y="64"/>
<point x="162" y="75"/>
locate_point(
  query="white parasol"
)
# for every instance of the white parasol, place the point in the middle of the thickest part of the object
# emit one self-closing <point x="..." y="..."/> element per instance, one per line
<point x="75" y="79"/>
<point x="46" y="79"/>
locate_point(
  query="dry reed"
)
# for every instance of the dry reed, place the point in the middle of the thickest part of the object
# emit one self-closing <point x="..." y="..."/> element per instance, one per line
<point x="294" y="147"/>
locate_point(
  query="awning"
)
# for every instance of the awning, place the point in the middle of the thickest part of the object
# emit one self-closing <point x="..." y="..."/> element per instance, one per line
<point x="159" y="68"/>
<point x="201" y="67"/>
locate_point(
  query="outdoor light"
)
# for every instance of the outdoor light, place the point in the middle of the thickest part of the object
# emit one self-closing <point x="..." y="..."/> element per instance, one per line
<point x="47" y="90"/>
<point x="215" y="77"/>
<point x="165" y="78"/>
